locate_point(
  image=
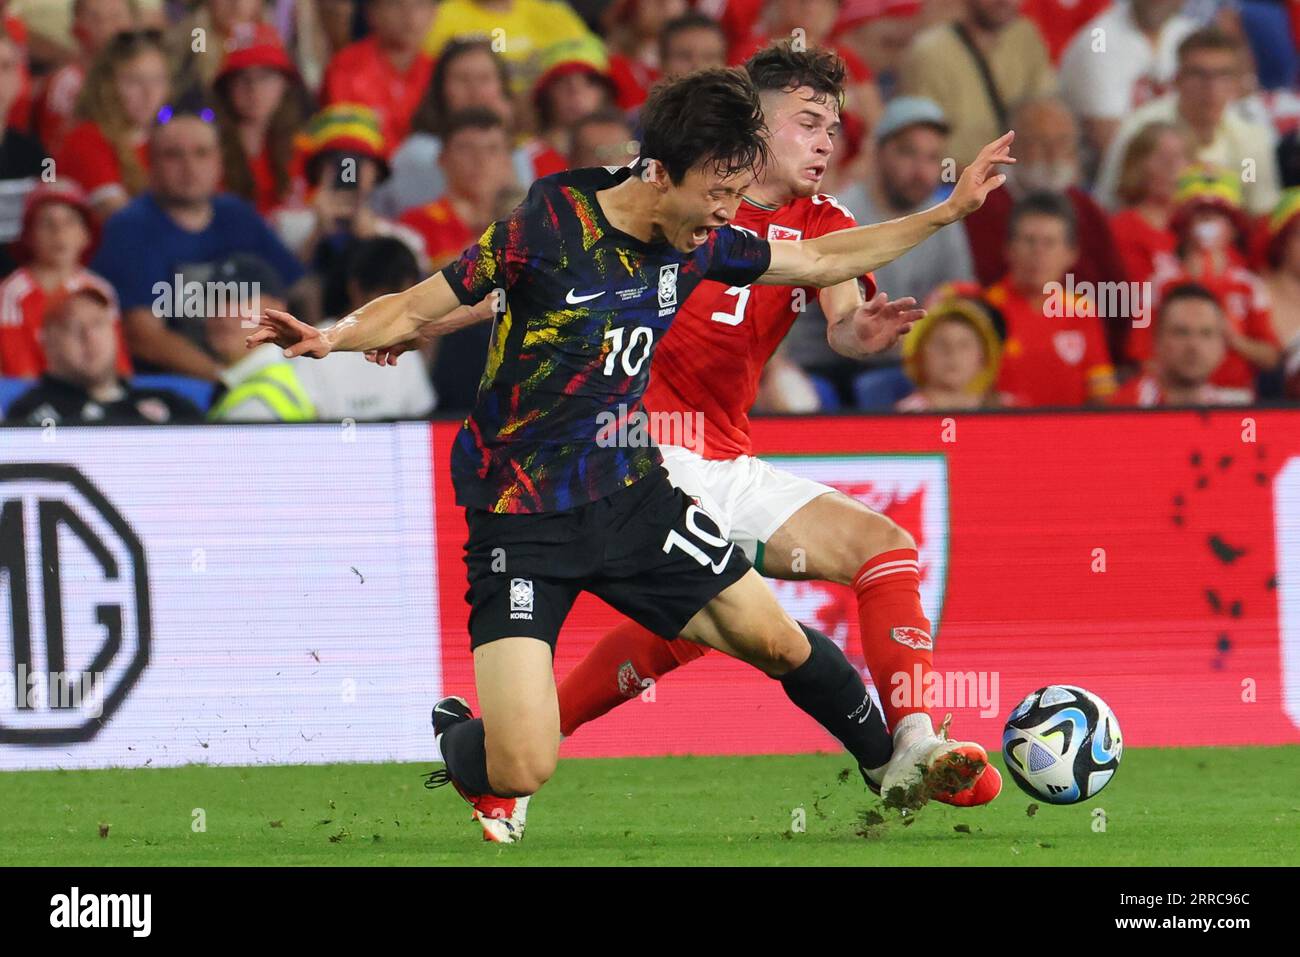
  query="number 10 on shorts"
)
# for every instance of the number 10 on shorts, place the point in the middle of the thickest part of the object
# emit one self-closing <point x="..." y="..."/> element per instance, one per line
<point x="676" y="540"/>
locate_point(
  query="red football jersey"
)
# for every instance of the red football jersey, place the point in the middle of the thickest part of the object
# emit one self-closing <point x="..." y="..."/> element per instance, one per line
<point x="23" y="304"/>
<point x="713" y="354"/>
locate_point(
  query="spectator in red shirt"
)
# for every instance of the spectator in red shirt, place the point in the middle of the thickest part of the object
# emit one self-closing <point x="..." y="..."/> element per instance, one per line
<point x="1047" y="151"/>
<point x="475" y="160"/>
<point x="94" y="24"/>
<point x="575" y="81"/>
<point x="107" y="153"/>
<point x="1055" y="351"/>
<point x="1190" y="343"/>
<point x="259" y="106"/>
<point x="952" y="354"/>
<point x="1211" y="231"/>
<point x="57" y="238"/>
<point x="1147" y="183"/>
<point x="386" y="71"/>
<point x="633" y="28"/>
<point x="691" y="42"/>
<point x="81" y="384"/>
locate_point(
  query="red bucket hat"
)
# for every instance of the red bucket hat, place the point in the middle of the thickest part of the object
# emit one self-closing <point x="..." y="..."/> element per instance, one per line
<point x="68" y="193"/>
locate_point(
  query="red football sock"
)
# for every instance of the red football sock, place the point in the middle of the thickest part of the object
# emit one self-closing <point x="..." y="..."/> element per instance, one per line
<point x="896" y="641"/>
<point x="616" y="669"/>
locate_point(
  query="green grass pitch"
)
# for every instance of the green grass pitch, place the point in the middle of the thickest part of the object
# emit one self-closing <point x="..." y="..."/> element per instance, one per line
<point x="1188" y="806"/>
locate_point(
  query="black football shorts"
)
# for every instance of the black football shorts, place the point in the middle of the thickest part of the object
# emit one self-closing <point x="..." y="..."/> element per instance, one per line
<point x="647" y="550"/>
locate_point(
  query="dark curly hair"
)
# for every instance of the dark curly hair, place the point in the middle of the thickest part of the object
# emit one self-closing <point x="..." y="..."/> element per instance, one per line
<point x="781" y="68"/>
<point x="710" y="117"/>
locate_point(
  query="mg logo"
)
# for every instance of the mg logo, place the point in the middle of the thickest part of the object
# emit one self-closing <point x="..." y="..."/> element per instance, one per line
<point x="74" y="606"/>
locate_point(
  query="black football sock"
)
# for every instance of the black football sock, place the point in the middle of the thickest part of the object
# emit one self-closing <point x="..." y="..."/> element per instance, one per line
<point x="829" y="689"/>
<point x="465" y="754"/>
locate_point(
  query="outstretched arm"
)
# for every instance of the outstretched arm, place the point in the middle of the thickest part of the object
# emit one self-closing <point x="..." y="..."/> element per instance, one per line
<point x="847" y="253"/>
<point x="429" y="308"/>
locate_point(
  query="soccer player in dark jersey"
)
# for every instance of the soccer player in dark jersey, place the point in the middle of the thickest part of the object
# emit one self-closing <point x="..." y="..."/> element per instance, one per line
<point x="586" y="275"/>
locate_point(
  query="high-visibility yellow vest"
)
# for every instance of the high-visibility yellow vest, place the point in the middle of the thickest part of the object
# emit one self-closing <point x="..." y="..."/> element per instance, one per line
<point x="277" y="387"/>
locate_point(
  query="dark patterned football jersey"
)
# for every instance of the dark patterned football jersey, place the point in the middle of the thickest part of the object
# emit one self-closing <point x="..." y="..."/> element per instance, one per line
<point x="585" y="304"/>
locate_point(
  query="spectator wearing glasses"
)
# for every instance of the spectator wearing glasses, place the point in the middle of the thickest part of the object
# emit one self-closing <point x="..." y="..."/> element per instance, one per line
<point x="1208" y="81"/>
<point x="181" y="220"/>
<point x="107" y="152"/>
<point x="81" y="384"/>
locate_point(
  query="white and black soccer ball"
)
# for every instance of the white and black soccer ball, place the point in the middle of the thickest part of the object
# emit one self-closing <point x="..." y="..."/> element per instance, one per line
<point x="1062" y="744"/>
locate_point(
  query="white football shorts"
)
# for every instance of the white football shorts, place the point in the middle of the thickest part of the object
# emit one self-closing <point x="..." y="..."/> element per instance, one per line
<point x="747" y="497"/>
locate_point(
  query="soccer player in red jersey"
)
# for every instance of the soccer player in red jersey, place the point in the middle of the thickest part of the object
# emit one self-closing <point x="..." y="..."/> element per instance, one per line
<point x="533" y="466"/>
<point x="726" y="335"/>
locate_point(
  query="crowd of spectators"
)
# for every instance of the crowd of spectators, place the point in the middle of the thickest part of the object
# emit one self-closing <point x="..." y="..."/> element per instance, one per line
<point x="161" y="157"/>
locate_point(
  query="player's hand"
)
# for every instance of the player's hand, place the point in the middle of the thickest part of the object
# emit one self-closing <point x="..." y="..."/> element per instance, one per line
<point x="387" y="356"/>
<point x="882" y="321"/>
<point x="981" y="177"/>
<point x="294" y="337"/>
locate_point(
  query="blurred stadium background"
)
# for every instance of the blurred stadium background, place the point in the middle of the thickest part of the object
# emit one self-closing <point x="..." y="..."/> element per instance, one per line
<point x="283" y="584"/>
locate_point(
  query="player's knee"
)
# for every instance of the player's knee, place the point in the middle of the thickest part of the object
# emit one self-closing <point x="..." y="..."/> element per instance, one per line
<point x="877" y="534"/>
<point x="895" y="536"/>
<point x="782" y="648"/>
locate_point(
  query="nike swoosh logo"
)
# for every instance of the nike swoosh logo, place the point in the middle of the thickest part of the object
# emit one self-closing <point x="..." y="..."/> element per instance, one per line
<point x="722" y="562"/>
<point x="450" y="714"/>
<point x="574" y="300"/>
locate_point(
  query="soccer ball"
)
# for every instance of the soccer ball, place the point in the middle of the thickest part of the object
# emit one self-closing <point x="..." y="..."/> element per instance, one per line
<point x="1062" y="744"/>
